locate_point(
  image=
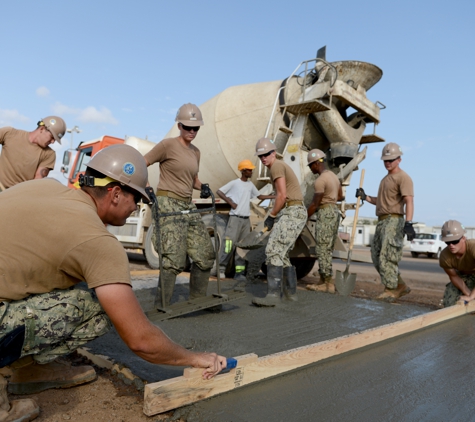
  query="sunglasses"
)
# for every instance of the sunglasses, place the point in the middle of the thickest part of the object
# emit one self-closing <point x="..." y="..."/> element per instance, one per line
<point x="190" y="128"/>
<point x="391" y="161"/>
<point x="453" y="242"/>
<point x="266" y="155"/>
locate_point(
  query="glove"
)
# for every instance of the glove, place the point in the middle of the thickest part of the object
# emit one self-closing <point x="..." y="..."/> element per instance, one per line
<point x="269" y="222"/>
<point x="409" y="231"/>
<point x="205" y="191"/>
<point x="360" y="193"/>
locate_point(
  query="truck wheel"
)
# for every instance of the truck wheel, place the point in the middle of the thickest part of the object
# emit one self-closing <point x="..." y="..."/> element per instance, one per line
<point x="414" y="254"/>
<point x="221" y="223"/>
<point x="150" y="254"/>
<point x="302" y="266"/>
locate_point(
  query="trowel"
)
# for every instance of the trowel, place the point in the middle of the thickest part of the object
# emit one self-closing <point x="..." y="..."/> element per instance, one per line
<point x="345" y="282"/>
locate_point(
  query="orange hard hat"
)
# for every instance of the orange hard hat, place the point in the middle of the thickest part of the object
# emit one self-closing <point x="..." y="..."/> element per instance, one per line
<point x="246" y="164"/>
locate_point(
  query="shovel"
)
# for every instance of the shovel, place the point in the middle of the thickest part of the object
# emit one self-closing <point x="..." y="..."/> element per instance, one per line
<point x="345" y="282"/>
<point x="254" y="239"/>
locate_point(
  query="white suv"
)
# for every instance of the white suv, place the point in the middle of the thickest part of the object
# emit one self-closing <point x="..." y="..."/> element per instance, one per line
<point x="427" y="243"/>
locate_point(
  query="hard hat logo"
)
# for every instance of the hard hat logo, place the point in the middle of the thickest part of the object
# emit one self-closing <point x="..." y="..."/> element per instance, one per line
<point x="128" y="169"/>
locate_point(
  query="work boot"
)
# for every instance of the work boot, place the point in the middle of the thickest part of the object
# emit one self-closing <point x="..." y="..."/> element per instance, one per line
<point x="199" y="280"/>
<point x="274" y="280"/>
<point x="240" y="277"/>
<point x="390" y="295"/>
<point x="320" y="287"/>
<point x="23" y="410"/>
<point x="169" y="278"/>
<point x="25" y="376"/>
<point x="330" y="284"/>
<point x="290" y="283"/>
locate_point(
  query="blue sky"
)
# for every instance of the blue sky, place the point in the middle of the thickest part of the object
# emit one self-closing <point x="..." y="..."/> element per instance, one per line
<point x="123" y="68"/>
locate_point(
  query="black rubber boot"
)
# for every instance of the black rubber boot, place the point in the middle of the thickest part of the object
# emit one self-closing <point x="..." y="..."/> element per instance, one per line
<point x="274" y="281"/>
<point x="199" y="280"/>
<point x="290" y="283"/>
<point x="169" y="279"/>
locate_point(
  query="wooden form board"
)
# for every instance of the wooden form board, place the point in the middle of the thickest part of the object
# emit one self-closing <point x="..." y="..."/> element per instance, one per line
<point x="189" y="388"/>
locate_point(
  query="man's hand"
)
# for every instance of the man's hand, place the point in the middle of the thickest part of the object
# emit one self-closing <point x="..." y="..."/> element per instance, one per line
<point x="360" y="193"/>
<point x="212" y="362"/>
<point x="409" y="231"/>
<point x="205" y="191"/>
<point x="269" y="222"/>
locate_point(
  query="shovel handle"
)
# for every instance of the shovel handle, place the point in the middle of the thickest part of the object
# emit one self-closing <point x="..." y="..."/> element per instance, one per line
<point x="355" y="218"/>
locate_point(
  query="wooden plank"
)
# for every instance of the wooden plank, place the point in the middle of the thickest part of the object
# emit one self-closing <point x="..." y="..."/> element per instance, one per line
<point x="170" y="394"/>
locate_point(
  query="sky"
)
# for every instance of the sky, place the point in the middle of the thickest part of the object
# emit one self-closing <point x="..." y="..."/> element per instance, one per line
<point x="124" y="68"/>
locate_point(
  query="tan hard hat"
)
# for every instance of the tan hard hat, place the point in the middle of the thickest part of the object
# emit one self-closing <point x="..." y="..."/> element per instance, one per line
<point x="314" y="155"/>
<point x="123" y="164"/>
<point x="56" y="125"/>
<point x="189" y="115"/>
<point x="391" y="151"/>
<point x="246" y="164"/>
<point x="264" y="145"/>
<point x="452" y="230"/>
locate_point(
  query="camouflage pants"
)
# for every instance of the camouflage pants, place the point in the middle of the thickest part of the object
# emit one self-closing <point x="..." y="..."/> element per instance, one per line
<point x="386" y="249"/>
<point x="452" y="294"/>
<point x="181" y="235"/>
<point x="236" y="229"/>
<point x="289" y="224"/>
<point x="326" y="231"/>
<point x="56" y="323"/>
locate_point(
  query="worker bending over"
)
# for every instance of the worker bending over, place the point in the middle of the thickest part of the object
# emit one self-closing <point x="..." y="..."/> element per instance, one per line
<point x="287" y="219"/>
<point x="238" y="194"/>
<point x="395" y="201"/>
<point x="27" y="155"/>
<point x="44" y="313"/>
<point x="327" y="192"/>
<point x="184" y="234"/>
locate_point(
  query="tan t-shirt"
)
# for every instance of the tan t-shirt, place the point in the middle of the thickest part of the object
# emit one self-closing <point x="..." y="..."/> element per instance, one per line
<point x="51" y="238"/>
<point x="179" y="165"/>
<point x="328" y="184"/>
<point x="20" y="158"/>
<point x="391" y="191"/>
<point x="466" y="264"/>
<point x="292" y="186"/>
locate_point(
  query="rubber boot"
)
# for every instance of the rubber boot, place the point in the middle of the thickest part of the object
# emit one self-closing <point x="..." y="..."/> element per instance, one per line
<point x="169" y="278"/>
<point x="199" y="280"/>
<point x="274" y="280"/>
<point x="23" y="410"/>
<point x="28" y="377"/>
<point x="319" y="287"/>
<point x="290" y="283"/>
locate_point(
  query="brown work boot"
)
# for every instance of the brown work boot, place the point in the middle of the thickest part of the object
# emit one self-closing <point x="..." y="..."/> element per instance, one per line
<point x="18" y="410"/>
<point x="328" y="285"/>
<point x="390" y="295"/>
<point x="28" y="377"/>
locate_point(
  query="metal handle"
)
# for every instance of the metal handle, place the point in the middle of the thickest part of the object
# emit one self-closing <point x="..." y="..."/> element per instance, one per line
<point x="355" y="219"/>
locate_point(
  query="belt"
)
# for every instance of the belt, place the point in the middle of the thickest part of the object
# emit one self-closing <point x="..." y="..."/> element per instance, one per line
<point x="326" y="206"/>
<point x="383" y="217"/>
<point x="292" y="203"/>
<point x="172" y="195"/>
<point x="238" y="216"/>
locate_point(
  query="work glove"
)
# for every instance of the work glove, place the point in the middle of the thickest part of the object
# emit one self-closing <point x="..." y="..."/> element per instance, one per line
<point x="269" y="222"/>
<point x="360" y="193"/>
<point x="409" y="231"/>
<point x="205" y="191"/>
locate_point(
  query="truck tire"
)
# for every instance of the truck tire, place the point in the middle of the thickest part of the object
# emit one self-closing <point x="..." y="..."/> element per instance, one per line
<point x="302" y="266"/>
<point x="150" y="254"/>
<point x="221" y="222"/>
<point x="414" y="254"/>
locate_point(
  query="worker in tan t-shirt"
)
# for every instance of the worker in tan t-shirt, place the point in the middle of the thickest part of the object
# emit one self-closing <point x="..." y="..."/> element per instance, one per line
<point x="458" y="261"/>
<point x="185" y="234"/>
<point x="286" y="219"/>
<point x="327" y="192"/>
<point x="45" y="313"/>
<point x="395" y="209"/>
<point x="27" y="155"/>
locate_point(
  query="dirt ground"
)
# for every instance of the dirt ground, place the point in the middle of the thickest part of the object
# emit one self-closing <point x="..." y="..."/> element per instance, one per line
<point x="111" y="399"/>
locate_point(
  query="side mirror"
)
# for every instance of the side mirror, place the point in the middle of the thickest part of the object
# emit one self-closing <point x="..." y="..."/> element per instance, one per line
<point x="66" y="158"/>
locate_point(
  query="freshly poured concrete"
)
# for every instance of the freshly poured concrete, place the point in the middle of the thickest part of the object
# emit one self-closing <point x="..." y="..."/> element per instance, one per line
<point x="420" y="376"/>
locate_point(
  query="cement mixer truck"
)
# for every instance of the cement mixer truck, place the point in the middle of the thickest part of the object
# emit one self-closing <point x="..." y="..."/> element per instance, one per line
<point x="320" y="105"/>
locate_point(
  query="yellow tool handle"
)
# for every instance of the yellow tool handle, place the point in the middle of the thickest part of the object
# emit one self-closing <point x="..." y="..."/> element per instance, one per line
<point x="355" y="218"/>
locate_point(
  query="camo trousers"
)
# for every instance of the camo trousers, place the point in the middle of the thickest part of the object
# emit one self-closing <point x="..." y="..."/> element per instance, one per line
<point x="452" y="294"/>
<point x="326" y="231"/>
<point x="236" y="229"/>
<point x="56" y="323"/>
<point x="181" y="235"/>
<point x="289" y="224"/>
<point x="386" y="249"/>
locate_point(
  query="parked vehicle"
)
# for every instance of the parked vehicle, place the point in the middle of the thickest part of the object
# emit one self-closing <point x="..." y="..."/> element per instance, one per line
<point x="427" y="243"/>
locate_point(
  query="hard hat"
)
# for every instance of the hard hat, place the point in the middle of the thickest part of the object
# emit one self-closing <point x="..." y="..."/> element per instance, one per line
<point x="391" y="151"/>
<point x="314" y="155"/>
<point x="123" y="164"/>
<point x="246" y="164"/>
<point x="452" y="230"/>
<point x="264" y="145"/>
<point x="56" y="125"/>
<point x="189" y="115"/>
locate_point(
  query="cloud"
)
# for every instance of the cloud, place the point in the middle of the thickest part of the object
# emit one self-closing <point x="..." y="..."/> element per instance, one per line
<point x="87" y="115"/>
<point x="8" y="117"/>
<point x="42" y="91"/>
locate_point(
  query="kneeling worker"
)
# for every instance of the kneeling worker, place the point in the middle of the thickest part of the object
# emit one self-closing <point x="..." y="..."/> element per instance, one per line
<point x="327" y="192"/>
<point x="287" y="219"/>
<point x="458" y="261"/>
<point x="44" y="314"/>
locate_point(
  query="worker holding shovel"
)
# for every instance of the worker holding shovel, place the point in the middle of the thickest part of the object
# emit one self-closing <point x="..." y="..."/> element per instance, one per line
<point x="327" y="192"/>
<point x="395" y="201"/>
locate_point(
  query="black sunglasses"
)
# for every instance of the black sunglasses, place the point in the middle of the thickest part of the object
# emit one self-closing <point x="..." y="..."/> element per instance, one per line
<point x="453" y="242"/>
<point x="391" y="161"/>
<point x="137" y="196"/>
<point x="266" y="155"/>
<point x="190" y="128"/>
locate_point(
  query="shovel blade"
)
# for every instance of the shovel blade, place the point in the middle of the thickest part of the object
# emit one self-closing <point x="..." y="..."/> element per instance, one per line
<point x="345" y="282"/>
